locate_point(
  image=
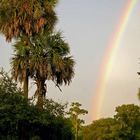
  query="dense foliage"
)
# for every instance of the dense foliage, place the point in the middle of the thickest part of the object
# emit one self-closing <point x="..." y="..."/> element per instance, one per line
<point x="20" y="120"/>
<point x="124" y="126"/>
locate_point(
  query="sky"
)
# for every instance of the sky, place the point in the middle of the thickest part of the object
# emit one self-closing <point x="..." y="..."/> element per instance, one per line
<point x="88" y="27"/>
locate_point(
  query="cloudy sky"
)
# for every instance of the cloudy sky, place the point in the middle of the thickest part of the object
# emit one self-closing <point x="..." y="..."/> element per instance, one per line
<point x="88" y="27"/>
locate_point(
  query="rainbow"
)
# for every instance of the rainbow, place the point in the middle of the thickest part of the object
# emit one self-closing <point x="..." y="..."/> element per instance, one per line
<point x="109" y="58"/>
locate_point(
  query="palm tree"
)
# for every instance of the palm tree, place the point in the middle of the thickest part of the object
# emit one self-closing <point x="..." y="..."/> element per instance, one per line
<point x="20" y="63"/>
<point x="50" y="61"/>
<point x="26" y="17"/>
<point x="44" y="58"/>
<point x="24" y="20"/>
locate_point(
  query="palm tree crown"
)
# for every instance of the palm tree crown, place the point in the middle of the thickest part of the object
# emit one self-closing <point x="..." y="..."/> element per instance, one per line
<point x="28" y="17"/>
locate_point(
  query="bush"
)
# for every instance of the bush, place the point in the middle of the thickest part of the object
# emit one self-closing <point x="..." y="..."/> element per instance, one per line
<point x="20" y="120"/>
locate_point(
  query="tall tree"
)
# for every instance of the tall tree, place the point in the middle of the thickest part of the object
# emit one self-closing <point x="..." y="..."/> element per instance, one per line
<point x="24" y="20"/>
<point x="74" y="112"/>
<point x="46" y="58"/>
<point x="50" y="61"/>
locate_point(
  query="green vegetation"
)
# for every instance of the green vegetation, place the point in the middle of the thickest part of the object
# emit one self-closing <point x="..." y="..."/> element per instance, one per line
<point x="20" y="120"/>
<point x="74" y="112"/>
<point x="124" y="126"/>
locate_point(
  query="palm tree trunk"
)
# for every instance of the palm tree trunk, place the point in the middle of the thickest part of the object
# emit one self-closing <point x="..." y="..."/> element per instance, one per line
<point x="25" y="86"/>
<point x="41" y="93"/>
<point x="40" y="101"/>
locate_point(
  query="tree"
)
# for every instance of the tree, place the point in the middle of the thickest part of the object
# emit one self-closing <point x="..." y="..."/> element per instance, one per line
<point x="102" y="129"/>
<point x="26" y="17"/>
<point x="50" y="61"/>
<point x="55" y="108"/>
<point x="129" y="118"/>
<point x="74" y="112"/>
<point x="46" y="58"/>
